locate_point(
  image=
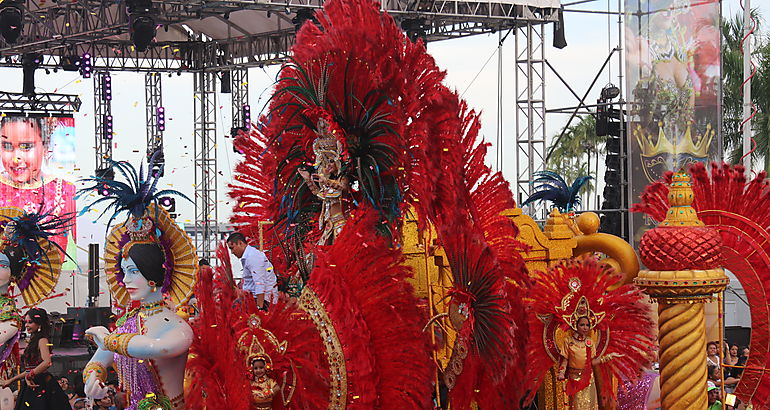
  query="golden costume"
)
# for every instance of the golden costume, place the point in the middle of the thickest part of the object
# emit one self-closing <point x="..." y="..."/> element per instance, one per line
<point x="577" y="353"/>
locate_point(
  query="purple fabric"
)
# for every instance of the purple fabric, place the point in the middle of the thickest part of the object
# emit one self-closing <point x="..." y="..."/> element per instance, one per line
<point x="136" y="377"/>
<point x="634" y="395"/>
<point x="8" y="348"/>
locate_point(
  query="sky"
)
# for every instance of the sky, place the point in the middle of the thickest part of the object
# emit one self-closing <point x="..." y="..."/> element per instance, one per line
<point x="472" y="69"/>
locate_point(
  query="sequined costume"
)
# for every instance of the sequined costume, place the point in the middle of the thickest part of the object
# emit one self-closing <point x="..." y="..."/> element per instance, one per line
<point x="578" y="352"/>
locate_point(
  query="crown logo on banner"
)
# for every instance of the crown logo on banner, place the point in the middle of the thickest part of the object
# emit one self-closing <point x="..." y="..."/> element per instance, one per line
<point x="651" y="145"/>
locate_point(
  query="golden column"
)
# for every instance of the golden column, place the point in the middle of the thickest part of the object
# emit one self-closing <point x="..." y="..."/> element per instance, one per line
<point x="684" y="258"/>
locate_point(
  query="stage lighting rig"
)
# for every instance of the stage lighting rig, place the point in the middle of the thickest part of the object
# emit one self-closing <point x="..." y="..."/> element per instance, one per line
<point x="159" y="163"/>
<point x="303" y="15"/>
<point x="107" y="87"/>
<point x="416" y="28"/>
<point x="247" y="116"/>
<point x="29" y="63"/>
<point x="161" y="115"/>
<point x="142" y="23"/>
<point x="86" y="66"/>
<point x="108" y="132"/>
<point x="11" y="20"/>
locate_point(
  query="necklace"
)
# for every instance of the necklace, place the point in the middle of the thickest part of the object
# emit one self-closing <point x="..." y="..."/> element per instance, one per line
<point x="151" y="309"/>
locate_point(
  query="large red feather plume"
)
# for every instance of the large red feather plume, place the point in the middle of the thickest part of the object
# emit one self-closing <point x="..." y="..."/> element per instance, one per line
<point x="626" y="318"/>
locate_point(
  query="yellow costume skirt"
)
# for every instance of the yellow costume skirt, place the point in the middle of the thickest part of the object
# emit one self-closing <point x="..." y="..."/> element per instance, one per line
<point x="586" y="399"/>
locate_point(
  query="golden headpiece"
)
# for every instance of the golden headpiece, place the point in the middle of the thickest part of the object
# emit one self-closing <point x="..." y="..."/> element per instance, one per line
<point x="582" y="309"/>
<point x="252" y="348"/>
<point x="327" y="146"/>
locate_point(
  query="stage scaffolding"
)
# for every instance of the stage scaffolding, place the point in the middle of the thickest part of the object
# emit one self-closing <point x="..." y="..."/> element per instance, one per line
<point x="209" y="38"/>
<point x="153" y="93"/>
<point x="240" y="95"/>
<point x="530" y="109"/>
<point x="205" y="164"/>
<point x="102" y="120"/>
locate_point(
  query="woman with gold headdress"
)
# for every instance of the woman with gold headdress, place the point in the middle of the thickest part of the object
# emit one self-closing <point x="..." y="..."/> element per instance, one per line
<point x="587" y="333"/>
<point x="30" y="259"/>
<point x="147" y="257"/>
<point x="328" y="183"/>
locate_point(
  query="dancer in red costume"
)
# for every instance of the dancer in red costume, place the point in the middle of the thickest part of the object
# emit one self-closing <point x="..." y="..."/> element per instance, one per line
<point x="359" y="130"/>
<point x="590" y="333"/>
<point x="739" y="209"/>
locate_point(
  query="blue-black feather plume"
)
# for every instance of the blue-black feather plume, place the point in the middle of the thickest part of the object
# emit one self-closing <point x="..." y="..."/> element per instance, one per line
<point x="133" y="196"/>
<point x="28" y="228"/>
<point x="553" y="188"/>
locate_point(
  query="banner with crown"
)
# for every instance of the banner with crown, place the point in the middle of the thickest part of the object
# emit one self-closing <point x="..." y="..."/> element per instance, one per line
<point x="672" y="76"/>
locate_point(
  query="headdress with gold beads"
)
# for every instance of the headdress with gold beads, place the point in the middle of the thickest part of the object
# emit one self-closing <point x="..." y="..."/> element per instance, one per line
<point x="251" y="342"/>
<point x="147" y="222"/>
<point x="36" y="260"/>
<point x="581" y="307"/>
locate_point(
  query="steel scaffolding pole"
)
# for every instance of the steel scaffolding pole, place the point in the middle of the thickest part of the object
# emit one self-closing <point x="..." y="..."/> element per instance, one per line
<point x="153" y="93"/>
<point x="103" y="123"/>
<point x="240" y="95"/>
<point x="530" y="108"/>
<point x="205" y="144"/>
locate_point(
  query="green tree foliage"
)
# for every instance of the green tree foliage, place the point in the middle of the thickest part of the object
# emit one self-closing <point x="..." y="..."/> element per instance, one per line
<point x="732" y="97"/>
<point x="571" y="157"/>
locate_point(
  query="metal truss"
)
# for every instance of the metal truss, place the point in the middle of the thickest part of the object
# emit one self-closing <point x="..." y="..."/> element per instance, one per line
<point x="102" y="114"/>
<point x="58" y="29"/>
<point x="530" y="108"/>
<point x="205" y="146"/>
<point x="46" y="104"/>
<point x="153" y="100"/>
<point x="240" y="94"/>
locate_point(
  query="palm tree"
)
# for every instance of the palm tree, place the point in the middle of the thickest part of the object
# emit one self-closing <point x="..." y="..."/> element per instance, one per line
<point x="732" y="96"/>
<point x="576" y="150"/>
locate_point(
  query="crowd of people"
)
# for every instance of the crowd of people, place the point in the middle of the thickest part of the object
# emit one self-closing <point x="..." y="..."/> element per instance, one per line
<point x="724" y="374"/>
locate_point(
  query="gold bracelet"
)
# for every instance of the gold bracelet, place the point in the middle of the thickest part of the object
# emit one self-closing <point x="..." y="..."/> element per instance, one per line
<point x="118" y="342"/>
<point x="95" y="367"/>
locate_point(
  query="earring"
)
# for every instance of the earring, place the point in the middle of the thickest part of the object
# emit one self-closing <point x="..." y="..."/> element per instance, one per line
<point x="154" y="286"/>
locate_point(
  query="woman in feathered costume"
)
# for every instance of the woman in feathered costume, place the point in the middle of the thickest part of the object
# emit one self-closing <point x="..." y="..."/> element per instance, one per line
<point x="31" y="260"/>
<point x="361" y="128"/>
<point x="590" y="333"/>
<point x="146" y="258"/>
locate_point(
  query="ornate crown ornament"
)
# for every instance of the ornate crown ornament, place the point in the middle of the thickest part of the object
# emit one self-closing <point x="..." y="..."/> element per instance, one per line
<point x="327" y="145"/>
<point x="582" y="308"/>
<point x="652" y="145"/>
<point x="251" y="347"/>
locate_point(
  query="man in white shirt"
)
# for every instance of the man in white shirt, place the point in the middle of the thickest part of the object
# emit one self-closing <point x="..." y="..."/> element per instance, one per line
<point x="258" y="275"/>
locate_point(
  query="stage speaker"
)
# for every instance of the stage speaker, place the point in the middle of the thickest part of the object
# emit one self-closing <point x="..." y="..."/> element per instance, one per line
<point x="93" y="274"/>
<point x="88" y="317"/>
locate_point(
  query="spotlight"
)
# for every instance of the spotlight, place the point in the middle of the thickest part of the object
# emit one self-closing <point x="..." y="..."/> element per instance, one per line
<point x="416" y="29"/>
<point x="107" y="87"/>
<point x="86" y="65"/>
<point x="247" y="116"/>
<point x="11" y="20"/>
<point x="29" y="63"/>
<point x="303" y="15"/>
<point x="609" y="92"/>
<point x="70" y="63"/>
<point x="168" y="202"/>
<point x="142" y="25"/>
<point x="161" y="115"/>
<point x="107" y="122"/>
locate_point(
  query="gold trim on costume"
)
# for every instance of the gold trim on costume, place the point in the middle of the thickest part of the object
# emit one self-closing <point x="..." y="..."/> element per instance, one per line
<point x="95" y="367"/>
<point x="21" y="185"/>
<point x="118" y="342"/>
<point x="185" y="272"/>
<point x="338" y="392"/>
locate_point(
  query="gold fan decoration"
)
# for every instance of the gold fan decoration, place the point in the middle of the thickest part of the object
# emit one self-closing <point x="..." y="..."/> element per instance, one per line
<point x="47" y="273"/>
<point x="185" y="272"/>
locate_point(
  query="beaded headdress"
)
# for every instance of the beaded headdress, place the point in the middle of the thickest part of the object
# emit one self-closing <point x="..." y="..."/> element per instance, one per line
<point x="147" y="222"/>
<point x="581" y="308"/>
<point x="252" y="339"/>
<point x="27" y="237"/>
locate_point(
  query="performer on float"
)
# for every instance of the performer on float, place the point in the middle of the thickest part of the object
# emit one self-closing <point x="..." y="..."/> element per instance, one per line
<point x="328" y="183"/>
<point x="146" y="257"/>
<point x="590" y="333"/>
<point x="31" y="259"/>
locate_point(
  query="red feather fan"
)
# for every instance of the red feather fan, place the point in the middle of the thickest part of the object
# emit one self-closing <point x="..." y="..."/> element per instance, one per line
<point x="740" y="211"/>
<point x="626" y="319"/>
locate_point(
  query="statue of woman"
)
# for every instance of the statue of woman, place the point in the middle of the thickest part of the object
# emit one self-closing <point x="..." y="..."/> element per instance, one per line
<point x="30" y="259"/>
<point x="145" y="257"/>
<point x="327" y="183"/>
